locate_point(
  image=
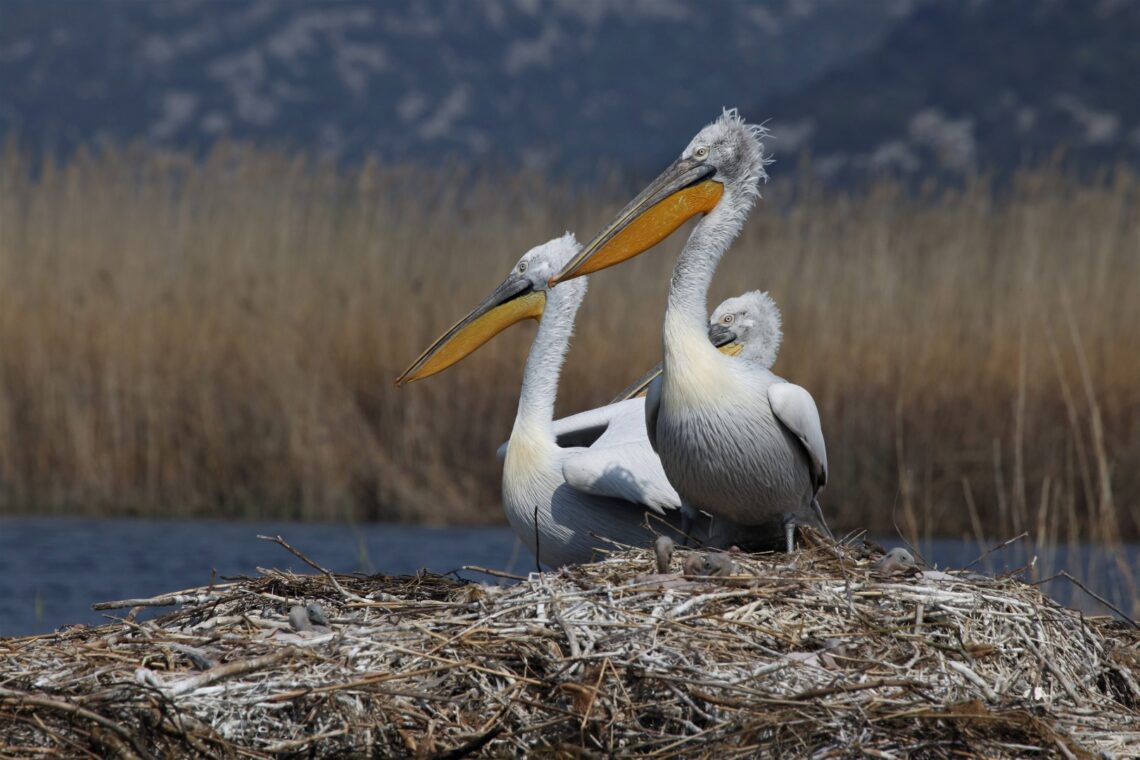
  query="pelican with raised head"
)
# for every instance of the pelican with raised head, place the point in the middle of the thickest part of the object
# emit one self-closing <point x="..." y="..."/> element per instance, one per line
<point x="735" y="440"/>
<point x="606" y="449"/>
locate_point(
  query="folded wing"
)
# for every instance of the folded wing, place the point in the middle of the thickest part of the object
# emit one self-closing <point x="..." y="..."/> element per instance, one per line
<point x="622" y="464"/>
<point x="796" y="409"/>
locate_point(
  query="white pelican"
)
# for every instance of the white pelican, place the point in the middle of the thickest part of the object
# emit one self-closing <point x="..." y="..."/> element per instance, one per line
<point x="735" y="440"/>
<point x="606" y="449"/>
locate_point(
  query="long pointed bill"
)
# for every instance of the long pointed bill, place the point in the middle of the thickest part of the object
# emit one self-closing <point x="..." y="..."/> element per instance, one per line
<point x="724" y="340"/>
<point x="513" y="301"/>
<point x="638" y="387"/>
<point x="685" y="189"/>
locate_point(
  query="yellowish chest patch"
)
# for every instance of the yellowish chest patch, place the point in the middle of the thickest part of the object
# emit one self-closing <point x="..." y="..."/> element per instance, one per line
<point x="527" y="453"/>
<point x="699" y="375"/>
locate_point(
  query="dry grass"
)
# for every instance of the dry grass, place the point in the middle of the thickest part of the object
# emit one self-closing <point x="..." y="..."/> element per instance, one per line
<point x="181" y="338"/>
<point x="816" y="655"/>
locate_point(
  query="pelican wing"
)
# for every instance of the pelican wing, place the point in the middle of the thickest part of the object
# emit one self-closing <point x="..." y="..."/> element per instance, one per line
<point x="582" y="429"/>
<point x="795" y="408"/>
<point x="629" y="471"/>
<point x="652" y="407"/>
<point x="621" y="463"/>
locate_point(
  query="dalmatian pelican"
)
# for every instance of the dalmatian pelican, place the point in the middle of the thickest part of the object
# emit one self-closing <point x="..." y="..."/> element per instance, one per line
<point x="736" y="441"/>
<point x="605" y="451"/>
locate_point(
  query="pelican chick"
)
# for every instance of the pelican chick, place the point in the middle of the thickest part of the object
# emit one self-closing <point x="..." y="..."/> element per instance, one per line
<point x="750" y="321"/>
<point x="894" y="561"/>
<point x="735" y="440"/>
<point x="663" y="550"/>
<point x="716" y="564"/>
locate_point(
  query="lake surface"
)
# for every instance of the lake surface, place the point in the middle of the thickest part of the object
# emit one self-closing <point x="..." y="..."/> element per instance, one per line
<point x="52" y="570"/>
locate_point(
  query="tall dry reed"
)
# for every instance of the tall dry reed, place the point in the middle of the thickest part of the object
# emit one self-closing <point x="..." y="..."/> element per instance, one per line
<point x="220" y="338"/>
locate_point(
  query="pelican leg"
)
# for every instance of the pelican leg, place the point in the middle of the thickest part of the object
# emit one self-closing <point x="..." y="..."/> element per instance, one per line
<point x="688" y="521"/>
<point x="790" y="532"/>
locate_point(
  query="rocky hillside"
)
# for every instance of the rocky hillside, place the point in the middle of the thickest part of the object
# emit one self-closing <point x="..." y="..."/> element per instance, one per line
<point x="899" y="85"/>
<point x="961" y="86"/>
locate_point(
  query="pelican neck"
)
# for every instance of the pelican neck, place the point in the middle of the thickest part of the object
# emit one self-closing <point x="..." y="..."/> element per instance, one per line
<point x="544" y="362"/>
<point x="686" y="311"/>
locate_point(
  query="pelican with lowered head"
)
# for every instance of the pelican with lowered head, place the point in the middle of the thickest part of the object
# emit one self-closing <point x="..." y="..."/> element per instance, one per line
<point x="735" y="440"/>
<point x="605" y="449"/>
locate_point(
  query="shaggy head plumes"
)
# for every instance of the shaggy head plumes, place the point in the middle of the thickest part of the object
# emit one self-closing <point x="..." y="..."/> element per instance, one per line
<point x="735" y="148"/>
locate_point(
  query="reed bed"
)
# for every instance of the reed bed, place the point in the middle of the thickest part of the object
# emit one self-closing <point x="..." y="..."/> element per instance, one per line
<point x="219" y="337"/>
<point x="826" y="653"/>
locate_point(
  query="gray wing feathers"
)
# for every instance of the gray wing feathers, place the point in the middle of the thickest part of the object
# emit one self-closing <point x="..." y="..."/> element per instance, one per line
<point x="630" y="471"/>
<point x="652" y="407"/>
<point x="795" y="408"/>
<point x="622" y="464"/>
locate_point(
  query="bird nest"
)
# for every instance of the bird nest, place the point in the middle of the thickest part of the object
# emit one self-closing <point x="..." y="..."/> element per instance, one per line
<point x="824" y="653"/>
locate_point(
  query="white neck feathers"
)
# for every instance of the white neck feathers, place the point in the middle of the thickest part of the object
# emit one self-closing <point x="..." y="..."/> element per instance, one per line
<point x="544" y="362"/>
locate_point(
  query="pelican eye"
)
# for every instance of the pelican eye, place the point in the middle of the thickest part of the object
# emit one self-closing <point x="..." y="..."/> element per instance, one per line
<point x="727" y="319"/>
<point x="702" y="152"/>
<point x="522" y="267"/>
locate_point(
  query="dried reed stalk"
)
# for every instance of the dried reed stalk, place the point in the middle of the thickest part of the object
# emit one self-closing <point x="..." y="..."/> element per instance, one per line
<point x="219" y="337"/>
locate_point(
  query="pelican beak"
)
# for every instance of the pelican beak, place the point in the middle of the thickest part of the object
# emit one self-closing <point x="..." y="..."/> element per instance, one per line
<point x="725" y="339"/>
<point x="639" y="387"/>
<point x="685" y="189"/>
<point x="513" y="301"/>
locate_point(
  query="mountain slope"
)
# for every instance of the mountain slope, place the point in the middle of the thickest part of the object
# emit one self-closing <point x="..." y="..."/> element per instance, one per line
<point x="958" y="86"/>
<point x="534" y="82"/>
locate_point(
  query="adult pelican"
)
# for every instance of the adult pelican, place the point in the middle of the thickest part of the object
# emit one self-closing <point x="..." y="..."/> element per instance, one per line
<point x="605" y="449"/>
<point x="735" y="440"/>
<point x="747" y="326"/>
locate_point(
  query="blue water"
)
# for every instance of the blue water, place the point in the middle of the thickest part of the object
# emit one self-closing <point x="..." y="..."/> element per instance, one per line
<point x="53" y="570"/>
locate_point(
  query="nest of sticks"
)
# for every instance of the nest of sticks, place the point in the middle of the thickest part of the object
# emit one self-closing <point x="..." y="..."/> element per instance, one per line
<point x="825" y="653"/>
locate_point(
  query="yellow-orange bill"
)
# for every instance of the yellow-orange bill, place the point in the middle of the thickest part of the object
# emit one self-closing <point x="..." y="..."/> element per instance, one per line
<point x="471" y="332"/>
<point x="638" y="231"/>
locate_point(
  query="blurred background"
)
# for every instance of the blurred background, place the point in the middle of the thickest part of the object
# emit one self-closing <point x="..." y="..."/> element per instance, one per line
<point x="226" y="227"/>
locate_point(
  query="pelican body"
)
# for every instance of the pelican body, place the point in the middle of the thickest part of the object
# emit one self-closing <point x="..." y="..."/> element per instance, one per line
<point x="596" y="477"/>
<point x="734" y="439"/>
